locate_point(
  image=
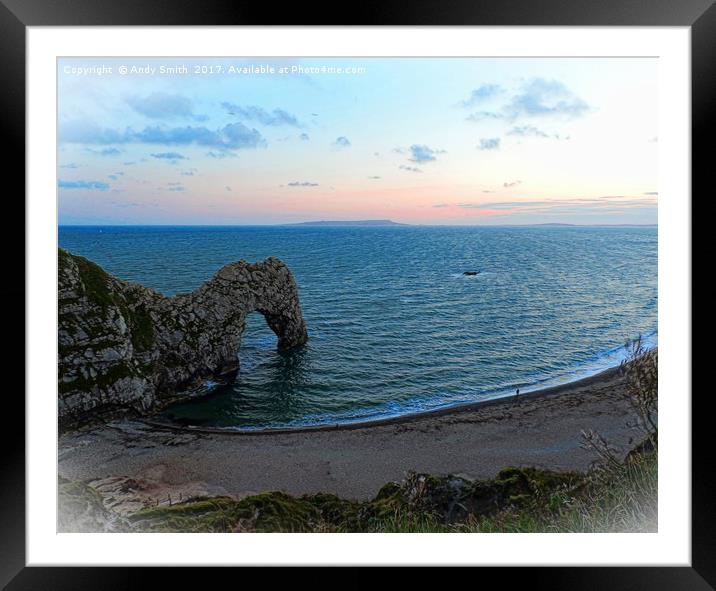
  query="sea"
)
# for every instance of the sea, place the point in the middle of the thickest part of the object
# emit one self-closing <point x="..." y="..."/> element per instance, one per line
<point x="395" y="327"/>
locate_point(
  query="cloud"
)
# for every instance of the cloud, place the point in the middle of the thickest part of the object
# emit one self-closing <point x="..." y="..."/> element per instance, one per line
<point x="160" y="105"/>
<point x="342" y="142"/>
<point x="374" y="178"/>
<point x="97" y="185"/>
<point x="221" y="155"/>
<point x="409" y="168"/>
<point x="540" y="97"/>
<point x="421" y="153"/>
<point x="70" y="165"/>
<point x="227" y="188"/>
<point x="482" y="115"/>
<point x="233" y="136"/>
<point x="174" y="156"/>
<point x="526" y="130"/>
<point x="482" y="93"/>
<point x="574" y="205"/>
<point x="492" y="143"/>
<point x="230" y="137"/>
<point x="252" y="113"/>
<point x="124" y="205"/>
<point x="537" y="97"/>
<point x="105" y="151"/>
<point x="531" y="130"/>
<point x="304" y="137"/>
<point x="651" y="193"/>
<point x="302" y="184"/>
<point x="511" y="184"/>
<point x="176" y="187"/>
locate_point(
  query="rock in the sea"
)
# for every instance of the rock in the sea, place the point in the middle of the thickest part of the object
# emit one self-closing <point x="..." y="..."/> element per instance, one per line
<point x="471" y="272"/>
<point x="124" y="348"/>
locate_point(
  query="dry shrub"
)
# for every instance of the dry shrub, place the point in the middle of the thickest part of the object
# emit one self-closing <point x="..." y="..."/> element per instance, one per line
<point x="641" y="369"/>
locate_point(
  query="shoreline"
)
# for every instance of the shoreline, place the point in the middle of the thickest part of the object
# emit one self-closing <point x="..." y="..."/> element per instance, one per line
<point x="138" y="462"/>
<point x="395" y="420"/>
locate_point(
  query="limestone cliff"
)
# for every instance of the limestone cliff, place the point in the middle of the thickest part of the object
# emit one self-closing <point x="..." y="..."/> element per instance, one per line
<point x="126" y="348"/>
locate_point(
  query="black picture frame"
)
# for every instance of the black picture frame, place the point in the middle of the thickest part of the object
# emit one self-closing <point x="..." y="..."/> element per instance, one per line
<point x="16" y="15"/>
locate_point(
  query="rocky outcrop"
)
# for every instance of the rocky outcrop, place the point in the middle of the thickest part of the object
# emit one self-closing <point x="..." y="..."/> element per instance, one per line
<point x="126" y="348"/>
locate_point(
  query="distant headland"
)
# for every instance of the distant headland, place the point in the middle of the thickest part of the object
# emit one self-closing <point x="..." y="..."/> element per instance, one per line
<point x="350" y="223"/>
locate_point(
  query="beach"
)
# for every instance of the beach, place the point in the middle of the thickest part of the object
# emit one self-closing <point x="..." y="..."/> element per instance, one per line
<point x="137" y="462"/>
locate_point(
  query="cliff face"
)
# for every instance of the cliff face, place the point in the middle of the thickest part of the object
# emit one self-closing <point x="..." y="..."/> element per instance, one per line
<point x="126" y="348"/>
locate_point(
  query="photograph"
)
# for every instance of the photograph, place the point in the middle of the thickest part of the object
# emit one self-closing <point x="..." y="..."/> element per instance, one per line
<point x="357" y="294"/>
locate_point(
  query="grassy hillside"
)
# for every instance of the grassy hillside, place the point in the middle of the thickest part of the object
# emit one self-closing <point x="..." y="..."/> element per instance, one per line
<point x="612" y="497"/>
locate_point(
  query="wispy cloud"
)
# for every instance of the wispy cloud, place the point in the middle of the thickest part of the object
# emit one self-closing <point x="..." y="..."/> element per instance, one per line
<point x="526" y="130"/>
<point x="96" y="185"/>
<point x="492" y="143"/>
<point x="532" y="131"/>
<point x="575" y="205"/>
<point x="161" y="105"/>
<point x="302" y="184"/>
<point x="508" y="184"/>
<point x="421" y="153"/>
<point x="174" y="156"/>
<point x="233" y="136"/>
<point x="122" y="205"/>
<point x="483" y="115"/>
<point x="220" y="155"/>
<point x="304" y="137"/>
<point x="275" y="118"/>
<point x="409" y="168"/>
<point x="342" y="142"/>
<point x="105" y="152"/>
<point x="537" y="97"/>
<point x="481" y="94"/>
<point x="541" y="97"/>
<point x="176" y="187"/>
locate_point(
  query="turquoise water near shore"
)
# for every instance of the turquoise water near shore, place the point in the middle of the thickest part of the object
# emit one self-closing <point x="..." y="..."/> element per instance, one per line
<point x="394" y="325"/>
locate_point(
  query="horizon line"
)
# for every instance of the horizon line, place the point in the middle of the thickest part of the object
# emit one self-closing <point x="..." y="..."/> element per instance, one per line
<point x="337" y="222"/>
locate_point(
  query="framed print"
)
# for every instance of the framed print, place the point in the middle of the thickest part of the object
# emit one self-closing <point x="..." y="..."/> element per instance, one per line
<point x="384" y="293"/>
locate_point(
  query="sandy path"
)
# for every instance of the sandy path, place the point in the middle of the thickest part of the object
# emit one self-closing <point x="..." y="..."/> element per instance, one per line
<point x="541" y="429"/>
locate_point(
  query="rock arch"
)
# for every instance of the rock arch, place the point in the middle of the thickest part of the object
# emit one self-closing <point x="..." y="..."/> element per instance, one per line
<point x="126" y="348"/>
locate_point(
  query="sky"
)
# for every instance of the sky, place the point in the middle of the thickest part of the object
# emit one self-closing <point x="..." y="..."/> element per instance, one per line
<point x="415" y="140"/>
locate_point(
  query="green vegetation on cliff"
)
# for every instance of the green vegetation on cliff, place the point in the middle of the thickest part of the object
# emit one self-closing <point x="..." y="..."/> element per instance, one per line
<point x="98" y="291"/>
<point x="617" y="497"/>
